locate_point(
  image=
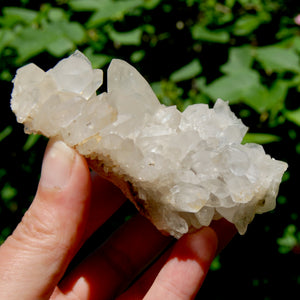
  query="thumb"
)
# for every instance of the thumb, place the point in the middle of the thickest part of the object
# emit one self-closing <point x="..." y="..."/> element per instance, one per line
<point x="34" y="258"/>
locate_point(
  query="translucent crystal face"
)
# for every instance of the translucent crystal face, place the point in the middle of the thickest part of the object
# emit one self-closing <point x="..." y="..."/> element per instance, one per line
<point x="185" y="168"/>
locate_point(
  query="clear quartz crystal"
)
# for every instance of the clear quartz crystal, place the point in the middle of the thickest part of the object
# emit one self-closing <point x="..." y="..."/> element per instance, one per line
<point x="186" y="169"/>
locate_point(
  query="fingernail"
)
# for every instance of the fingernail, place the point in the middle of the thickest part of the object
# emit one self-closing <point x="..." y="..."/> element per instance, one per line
<point x="57" y="165"/>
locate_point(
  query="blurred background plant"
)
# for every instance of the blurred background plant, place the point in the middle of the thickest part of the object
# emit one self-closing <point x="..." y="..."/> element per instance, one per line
<point x="191" y="51"/>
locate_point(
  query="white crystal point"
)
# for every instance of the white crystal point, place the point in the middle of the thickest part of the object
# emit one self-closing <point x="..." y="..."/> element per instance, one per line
<point x="26" y="79"/>
<point x="76" y="75"/>
<point x="182" y="170"/>
<point x="125" y="81"/>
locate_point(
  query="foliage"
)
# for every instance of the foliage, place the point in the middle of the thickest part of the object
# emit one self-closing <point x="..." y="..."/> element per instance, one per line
<point x="290" y="241"/>
<point x="192" y="51"/>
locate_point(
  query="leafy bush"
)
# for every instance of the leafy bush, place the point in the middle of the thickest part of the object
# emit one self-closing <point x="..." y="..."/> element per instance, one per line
<point x="192" y="51"/>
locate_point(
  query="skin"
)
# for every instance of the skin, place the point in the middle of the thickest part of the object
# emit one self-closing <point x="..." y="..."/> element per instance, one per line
<point x="70" y="204"/>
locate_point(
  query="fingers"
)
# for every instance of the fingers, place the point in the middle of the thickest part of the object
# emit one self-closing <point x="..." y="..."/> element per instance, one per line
<point x="139" y="289"/>
<point x="223" y="230"/>
<point x="181" y="274"/>
<point x="117" y="262"/>
<point x="35" y="257"/>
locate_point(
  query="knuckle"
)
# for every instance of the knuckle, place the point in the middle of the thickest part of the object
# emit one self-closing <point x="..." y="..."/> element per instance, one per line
<point x="38" y="231"/>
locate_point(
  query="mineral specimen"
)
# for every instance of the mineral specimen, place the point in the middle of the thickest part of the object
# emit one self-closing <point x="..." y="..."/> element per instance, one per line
<point x="182" y="170"/>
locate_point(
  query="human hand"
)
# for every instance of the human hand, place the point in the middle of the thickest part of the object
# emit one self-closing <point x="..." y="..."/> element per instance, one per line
<point x="69" y="206"/>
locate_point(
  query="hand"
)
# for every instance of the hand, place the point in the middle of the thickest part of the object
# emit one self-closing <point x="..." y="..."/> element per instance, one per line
<point x="69" y="206"/>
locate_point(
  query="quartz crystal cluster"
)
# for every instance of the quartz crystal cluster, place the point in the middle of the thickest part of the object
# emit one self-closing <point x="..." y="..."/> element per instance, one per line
<point x="182" y="170"/>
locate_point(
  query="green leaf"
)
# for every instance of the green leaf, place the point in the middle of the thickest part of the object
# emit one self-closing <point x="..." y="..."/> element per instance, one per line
<point x="20" y="14"/>
<point x="276" y="96"/>
<point x="151" y="4"/>
<point x="2" y="173"/>
<point x="5" y="133"/>
<point x="246" y="24"/>
<point x="274" y="59"/>
<point x="6" y="75"/>
<point x="262" y="99"/>
<point x="187" y="72"/>
<point x="85" y="5"/>
<point x="32" y="41"/>
<point x="260" y="138"/>
<point x="73" y="31"/>
<point x="256" y="96"/>
<point x="289" y="239"/>
<point x="6" y="37"/>
<point x="111" y="10"/>
<point x="57" y="14"/>
<point x="133" y="37"/>
<point x="8" y="192"/>
<point x="229" y="3"/>
<point x="293" y="116"/>
<point x="67" y="35"/>
<point x="31" y="141"/>
<point x="217" y="36"/>
<point x="296" y="43"/>
<point x="240" y="58"/>
<point x="137" y="56"/>
<point x="216" y="264"/>
<point x="233" y="87"/>
<point x="60" y="46"/>
<point x="58" y="38"/>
